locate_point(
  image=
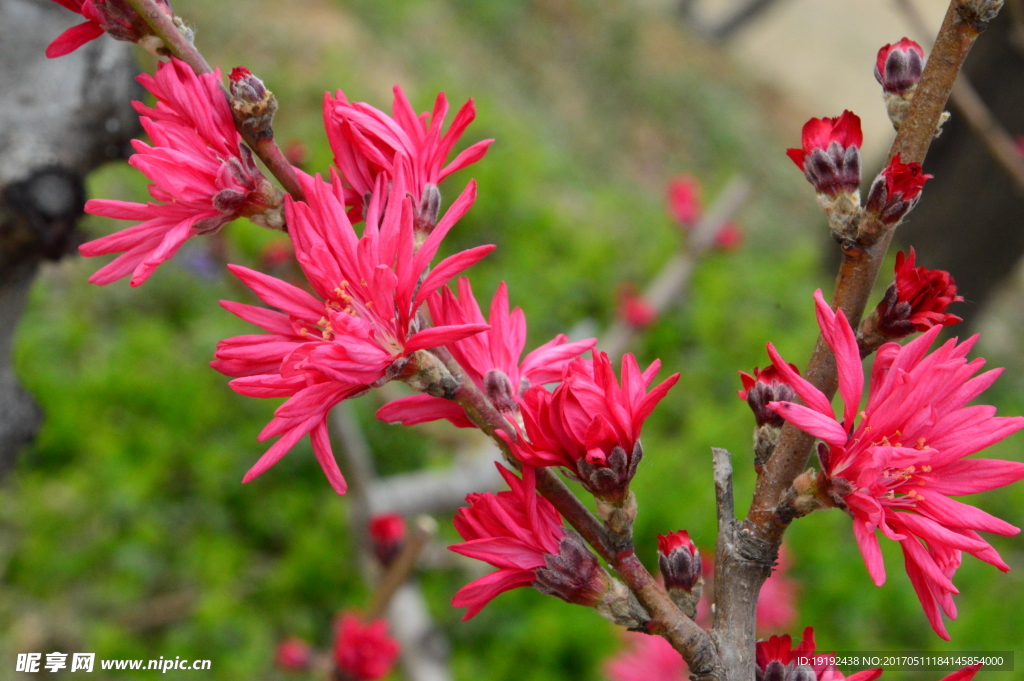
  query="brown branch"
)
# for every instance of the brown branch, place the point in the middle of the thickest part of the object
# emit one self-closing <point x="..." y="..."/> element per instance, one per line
<point x="401" y="567"/>
<point x="862" y="260"/>
<point x="979" y="117"/>
<point x="265" y="148"/>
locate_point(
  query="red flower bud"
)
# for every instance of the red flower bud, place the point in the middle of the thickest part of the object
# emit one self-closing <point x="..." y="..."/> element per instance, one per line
<point x="898" y="67"/>
<point x="573" y="574"/>
<point x="633" y="308"/>
<point x="364" y="652"/>
<point x="896" y="190"/>
<point x="252" y="103"/>
<point x="830" y="154"/>
<point x="679" y="560"/>
<point x="293" y="654"/>
<point x="387" y="532"/>
<point x="684" y="200"/>
<point x="766" y="385"/>
<point x="917" y="299"/>
<point x="729" y="237"/>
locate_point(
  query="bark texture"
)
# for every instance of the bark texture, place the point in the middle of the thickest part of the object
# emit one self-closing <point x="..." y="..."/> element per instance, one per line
<point x="59" y="119"/>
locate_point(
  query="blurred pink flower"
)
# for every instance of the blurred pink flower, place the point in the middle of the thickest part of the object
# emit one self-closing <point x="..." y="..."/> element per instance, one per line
<point x="646" y="658"/>
<point x="293" y="654"/>
<point x="364" y="652"/>
<point x="634" y="308"/>
<point x="729" y="237"/>
<point x="684" y="200"/>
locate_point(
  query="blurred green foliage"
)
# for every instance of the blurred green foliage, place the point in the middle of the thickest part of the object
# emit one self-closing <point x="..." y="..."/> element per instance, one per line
<point x="125" y="530"/>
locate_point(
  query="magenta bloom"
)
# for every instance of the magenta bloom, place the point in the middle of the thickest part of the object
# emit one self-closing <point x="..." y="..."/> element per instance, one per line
<point x="647" y="658"/>
<point x="364" y="652"/>
<point x="362" y="330"/>
<point x="491" y="359"/>
<point x="293" y="654"/>
<point x="830" y="154"/>
<point x="778" y="660"/>
<point x="366" y="141"/>
<point x="895" y="468"/>
<point x="514" y="531"/>
<point x="203" y="177"/>
<point x="387" y="533"/>
<point x="115" y="17"/>
<point x="590" y="424"/>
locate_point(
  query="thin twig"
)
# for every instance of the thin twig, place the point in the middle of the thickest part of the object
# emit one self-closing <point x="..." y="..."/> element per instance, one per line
<point x="722" y="462"/>
<point x="979" y="117"/>
<point x="265" y="148"/>
<point x="401" y="567"/>
<point x="673" y="280"/>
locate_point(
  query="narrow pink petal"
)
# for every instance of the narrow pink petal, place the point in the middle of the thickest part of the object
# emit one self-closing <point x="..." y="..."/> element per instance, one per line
<point x="280" y="448"/>
<point x="812" y="397"/>
<point x="448" y="268"/>
<point x="867" y="540"/>
<point x="272" y="321"/>
<point x="322" y="448"/>
<point x="965" y="674"/>
<point x="956" y="514"/>
<point x="866" y="675"/>
<point x="73" y="38"/>
<point x="421" y="409"/>
<point x="970" y="476"/>
<point x="480" y="592"/>
<point x="811" y="422"/>
<point x="282" y="295"/>
<point x="442" y="335"/>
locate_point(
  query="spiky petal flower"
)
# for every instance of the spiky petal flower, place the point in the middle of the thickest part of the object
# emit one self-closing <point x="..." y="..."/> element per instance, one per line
<point x="590" y="424"/>
<point x="647" y="658"/>
<point x="898" y="66"/>
<point x="895" y="468"/>
<point x="364" y="652"/>
<point x="520" y="533"/>
<point x="917" y="299"/>
<point x="362" y="330"/>
<point x="203" y="176"/>
<point x="896" y="190"/>
<point x="830" y="154"/>
<point x="490" y="359"/>
<point x="366" y="141"/>
<point x="114" y="17"/>
<point x="777" y="659"/>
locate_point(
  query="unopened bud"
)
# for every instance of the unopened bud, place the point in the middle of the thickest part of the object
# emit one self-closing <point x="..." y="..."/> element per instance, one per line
<point x="387" y="534"/>
<point x="681" y="569"/>
<point x="896" y="190"/>
<point x="293" y="654"/>
<point x="574" y="575"/>
<point x="253" y="104"/>
<point x="776" y="671"/>
<point x="610" y="481"/>
<point x="428" y="212"/>
<point x="898" y="66"/>
<point x="979" y="13"/>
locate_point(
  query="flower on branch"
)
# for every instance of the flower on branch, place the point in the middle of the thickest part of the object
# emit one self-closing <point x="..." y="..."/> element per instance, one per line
<point x="898" y="66"/>
<point x="778" y="660"/>
<point x="363" y="329"/>
<point x="830" y="154"/>
<point x="114" y="17"/>
<point x="203" y="176"/>
<point x="895" y="469"/>
<point x="917" y="299"/>
<point x="520" y="533"/>
<point x="366" y="142"/>
<point x="490" y="359"/>
<point x="896" y="190"/>
<point x="634" y="308"/>
<point x="684" y="201"/>
<point x="364" y="652"/>
<point x="590" y="424"/>
<point x="764" y="386"/>
<point x="293" y="654"/>
<point x="387" y="533"/>
<point x="679" y="560"/>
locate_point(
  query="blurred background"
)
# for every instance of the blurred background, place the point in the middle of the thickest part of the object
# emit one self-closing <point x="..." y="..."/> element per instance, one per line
<point x="124" y="529"/>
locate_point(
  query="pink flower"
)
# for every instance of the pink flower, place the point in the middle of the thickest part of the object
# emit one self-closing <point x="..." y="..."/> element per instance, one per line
<point x="830" y="157"/>
<point x="729" y="237"/>
<point x="634" y="308"/>
<point x="895" y="469"/>
<point x="589" y="424"/>
<point x="293" y="654"/>
<point x="115" y="17"/>
<point x="490" y="359"/>
<point x="364" y="652"/>
<point x="387" y="532"/>
<point x="896" y="190"/>
<point x="898" y="66"/>
<point x="366" y="142"/>
<point x="778" y="660"/>
<point x="917" y="299"/>
<point x="362" y="330"/>
<point x="684" y="200"/>
<point x="202" y="175"/>
<point x="647" y="658"/>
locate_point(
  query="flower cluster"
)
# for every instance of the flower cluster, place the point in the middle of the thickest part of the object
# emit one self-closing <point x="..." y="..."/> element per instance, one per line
<point x="203" y="176"/>
<point x="895" y="468"/>
<point x="360" y="652"/>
